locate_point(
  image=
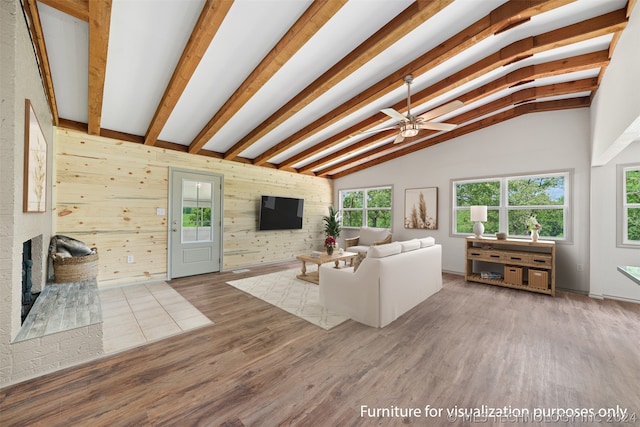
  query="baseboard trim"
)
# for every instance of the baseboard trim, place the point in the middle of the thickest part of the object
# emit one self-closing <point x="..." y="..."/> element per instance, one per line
<point x="623" y="299"/>
<point x="250" y="266"/>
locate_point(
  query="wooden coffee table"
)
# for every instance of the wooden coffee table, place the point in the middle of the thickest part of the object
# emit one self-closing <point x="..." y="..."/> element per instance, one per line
<point x="314" y="276"/>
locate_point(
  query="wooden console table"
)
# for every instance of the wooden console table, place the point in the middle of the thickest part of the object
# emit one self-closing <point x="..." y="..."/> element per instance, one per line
<point x="512" y="263"/>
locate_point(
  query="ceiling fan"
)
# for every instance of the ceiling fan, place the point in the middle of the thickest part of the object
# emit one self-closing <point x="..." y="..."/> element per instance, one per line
<point x="409" y="125"/>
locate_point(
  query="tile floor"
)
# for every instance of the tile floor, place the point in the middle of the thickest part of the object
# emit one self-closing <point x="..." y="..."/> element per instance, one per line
<point x="138" y="314"/>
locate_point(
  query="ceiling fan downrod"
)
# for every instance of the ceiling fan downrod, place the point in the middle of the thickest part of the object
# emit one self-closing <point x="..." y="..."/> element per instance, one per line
<point x="408" y="79"/>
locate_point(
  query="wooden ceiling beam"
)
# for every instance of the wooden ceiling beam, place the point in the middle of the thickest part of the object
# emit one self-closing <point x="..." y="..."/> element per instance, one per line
<point x="35" y="27"/>
<point x="524" y="95"/>
<point x="532" y="72"/>
<point x="314" y="18"/>
<point x="99" y="23"/>
<point x="410" y="18"/>
<point x="516" y="111"/>
<point x="585" y="30"/>
<point x="481" y="124"/>
<point x="211" y="17"/>
<point x="77" y="8"/>
<point x="480" y="30"/>
<point x="595" y="27"/>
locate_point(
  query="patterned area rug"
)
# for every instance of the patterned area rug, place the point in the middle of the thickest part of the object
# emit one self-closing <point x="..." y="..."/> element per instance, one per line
<point x="293" y="295"/>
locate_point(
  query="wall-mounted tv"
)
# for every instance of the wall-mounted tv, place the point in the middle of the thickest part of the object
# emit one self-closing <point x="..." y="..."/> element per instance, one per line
<point x="280" y="213"/>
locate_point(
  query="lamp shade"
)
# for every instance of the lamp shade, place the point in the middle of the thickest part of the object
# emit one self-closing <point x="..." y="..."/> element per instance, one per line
<point x="478" y="213"/>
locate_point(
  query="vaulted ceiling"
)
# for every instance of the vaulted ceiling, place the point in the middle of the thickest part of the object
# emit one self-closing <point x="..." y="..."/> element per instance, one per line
<point x="293" y="84"/>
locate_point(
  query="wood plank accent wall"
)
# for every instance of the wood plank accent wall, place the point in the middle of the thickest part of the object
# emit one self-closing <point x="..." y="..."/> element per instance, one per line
<point x="106" y="193"/>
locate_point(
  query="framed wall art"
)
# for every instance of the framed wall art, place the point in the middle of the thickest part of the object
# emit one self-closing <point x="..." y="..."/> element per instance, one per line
<point x="35" y="163"/>
<point x="421" y="208"/>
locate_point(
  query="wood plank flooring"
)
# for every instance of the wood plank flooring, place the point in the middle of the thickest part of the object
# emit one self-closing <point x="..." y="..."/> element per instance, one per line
<point x="467" y="346"/>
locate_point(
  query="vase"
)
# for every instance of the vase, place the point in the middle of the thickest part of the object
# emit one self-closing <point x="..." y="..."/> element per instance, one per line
<point x="534" y="235"/>
<point x="329" y="250"/>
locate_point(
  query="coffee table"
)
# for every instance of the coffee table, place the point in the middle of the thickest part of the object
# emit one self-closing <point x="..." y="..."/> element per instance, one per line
<point x="314" y="276"/>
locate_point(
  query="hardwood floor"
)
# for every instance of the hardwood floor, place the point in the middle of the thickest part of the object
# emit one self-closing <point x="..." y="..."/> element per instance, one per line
<point x="467" y="346"/>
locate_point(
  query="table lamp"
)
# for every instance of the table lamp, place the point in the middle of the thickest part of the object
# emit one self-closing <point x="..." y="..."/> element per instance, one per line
<point x="478" y="215"/>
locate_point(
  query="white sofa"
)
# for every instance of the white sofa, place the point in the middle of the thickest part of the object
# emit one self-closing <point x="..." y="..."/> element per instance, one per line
<point x="368" y="236"/>
<point x="391" y="280"/>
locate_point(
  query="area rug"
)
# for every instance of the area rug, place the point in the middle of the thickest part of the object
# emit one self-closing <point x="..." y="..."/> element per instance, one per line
<point x="292" y="295"/>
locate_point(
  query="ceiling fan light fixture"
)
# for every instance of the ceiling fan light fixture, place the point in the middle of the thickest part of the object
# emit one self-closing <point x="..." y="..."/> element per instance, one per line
<point x="409" y="130"/>
<point x="408" y="133"/>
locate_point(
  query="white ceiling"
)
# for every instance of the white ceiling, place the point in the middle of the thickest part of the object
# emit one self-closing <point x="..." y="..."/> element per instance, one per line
<point x="147" y="37"/>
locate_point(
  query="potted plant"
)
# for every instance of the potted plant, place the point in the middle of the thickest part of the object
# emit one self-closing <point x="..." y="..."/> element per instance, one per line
<point x="330" y="244"/>
<point x="332" y="223"/>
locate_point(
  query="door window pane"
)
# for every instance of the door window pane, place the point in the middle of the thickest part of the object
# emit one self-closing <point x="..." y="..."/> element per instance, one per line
<point x="197" y="204"/>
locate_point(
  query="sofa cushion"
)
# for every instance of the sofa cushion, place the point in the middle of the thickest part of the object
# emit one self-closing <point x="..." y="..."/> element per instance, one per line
<point x="370" y="235"/>
<point x="410" y="245"/>
<point x="382" y="251"/>
<point x="427" y="241"/>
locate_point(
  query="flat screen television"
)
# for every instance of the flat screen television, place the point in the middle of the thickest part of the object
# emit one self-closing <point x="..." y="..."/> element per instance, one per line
<point x="280" y="213"/>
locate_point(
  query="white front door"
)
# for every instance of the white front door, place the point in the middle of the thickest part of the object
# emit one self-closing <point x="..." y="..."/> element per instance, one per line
<point x="195" y="235"/>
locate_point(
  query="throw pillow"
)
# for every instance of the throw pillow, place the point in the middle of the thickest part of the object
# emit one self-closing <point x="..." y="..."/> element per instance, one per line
<point x="385" y="241"/>
<point x="357" y="260"/>
<point x="75" y="247"/>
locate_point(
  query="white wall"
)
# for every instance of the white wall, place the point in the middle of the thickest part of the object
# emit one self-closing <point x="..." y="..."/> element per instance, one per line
<point x="532" y="143"/>
<point x="615" y="117"/>
<point x="615" y="111"/>
<point x="615" y="123"/>
<point x="606" y="281"/>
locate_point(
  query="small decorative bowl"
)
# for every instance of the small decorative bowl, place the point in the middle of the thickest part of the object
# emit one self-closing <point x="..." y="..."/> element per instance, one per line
<point x="501" y="236"/>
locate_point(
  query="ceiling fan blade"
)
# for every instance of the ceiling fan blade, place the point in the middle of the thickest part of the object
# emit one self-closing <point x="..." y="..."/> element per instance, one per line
<point x="441" y="110"/>
<point x="394" y="114"/>
<point x="398" y="139"/>
<point x="378" y="130"/>
<point x="437" y="126"/>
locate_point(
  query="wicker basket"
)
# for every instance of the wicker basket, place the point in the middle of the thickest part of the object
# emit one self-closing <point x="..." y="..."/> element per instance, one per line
<point x="75" y="269"/>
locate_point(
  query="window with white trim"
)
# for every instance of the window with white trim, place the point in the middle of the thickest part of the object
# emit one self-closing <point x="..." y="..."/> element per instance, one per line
<point x="511" y="201"/>
<point x="631" y="205"/>
<point x="366" y="207"/>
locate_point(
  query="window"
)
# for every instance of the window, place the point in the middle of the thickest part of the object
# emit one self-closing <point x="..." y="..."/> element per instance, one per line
<point x="511" y="201"/>
<point x="369" y="207"/>
<point x="631" y="205"/>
